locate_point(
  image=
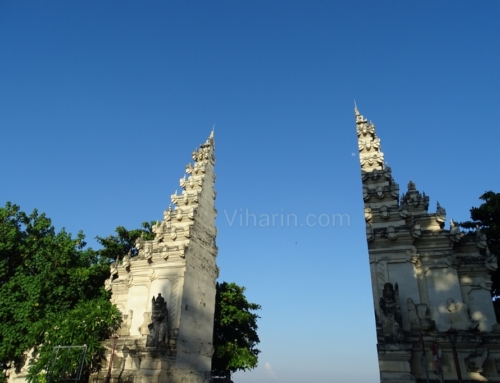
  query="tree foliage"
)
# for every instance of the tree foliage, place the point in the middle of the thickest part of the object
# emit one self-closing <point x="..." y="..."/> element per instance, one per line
<point x="115" y="247"/>
<point x="235" y="331"/>
<point x="42" y="273"/>
<point x="486" y="217"/>
<point x="87" y="324"/>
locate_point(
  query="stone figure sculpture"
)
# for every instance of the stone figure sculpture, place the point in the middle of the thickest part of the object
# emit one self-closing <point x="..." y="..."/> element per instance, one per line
<point x="419" y="316"/>
<point x="459" y="316"/>
<point x="391" y="320"/>
<point x="158" y="328"/>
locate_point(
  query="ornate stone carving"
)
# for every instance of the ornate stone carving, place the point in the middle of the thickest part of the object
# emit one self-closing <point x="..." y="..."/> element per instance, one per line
<point x="369" y="232"/>
<point x="167" y="214"/>
<point x="158" y="328"/>
<point x="475" y="360"/>
<point x="391" y="233"/>
<point x="178" y="213"/>
<point x="107" y="284"/>
<point x="158" y="229"/>
<point x="390" y="318"/>
<point x="174" y="197"/>
<point x="126" y="260"/>
<point x="455" y="233"/>
<point x="384" y="212"/>
<point x="394" y="189"/>
<point x="185" y="197"/>
<point x="148" y="252"/>
<point x="440" y="214"/>
<point x="380" y="191"/>
<point x="368" y="214"/>
<point x="173" y="233"/>
<point x="419" y="316"/>
<point x="139" y="245"/>
<point x="459" y="316"/>
<point x="183" y="182"/>
<point x="403" y="210"/>
<point x="124" y="329"/>
<point x="191" y="214"/>
<point x="416" y="232"/>
<point x="376" y="158"/>
<point x="481" y="240"/>
<point x="387" y="171"/>
<point x="113" y="269"/>
<point x="366" y="193"/>
<point x="412" y="186"/>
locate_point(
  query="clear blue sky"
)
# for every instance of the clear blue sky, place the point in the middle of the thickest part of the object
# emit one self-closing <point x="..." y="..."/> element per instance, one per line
<point x="101" y="104"/>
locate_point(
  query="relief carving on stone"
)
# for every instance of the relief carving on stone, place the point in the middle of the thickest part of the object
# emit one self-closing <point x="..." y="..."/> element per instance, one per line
<point x="368" y="214"/>
<point x="416" y="232"/>
<point x="380" y="191"/>
<point x="390" y="318"/>
<point x="158" y="229"/>
<point x="167" y="214"/>
<point x="107" y="284"/>
<point x="394" y="189"/>
<point x="126" y="260"/>
<point x="384" y="212"/>
<point x="391" y="233"/>
<point x="139" y="245"/>
<point x="460" y="316"/>
<point x="178" y="213"/>
<point x="124" y="329"/>
<point x="419" y="316"/>
<point x="369" y="232"/>
<point x="475" y="360"/>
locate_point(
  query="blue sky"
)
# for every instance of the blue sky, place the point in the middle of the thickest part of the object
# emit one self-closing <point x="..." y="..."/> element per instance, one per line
<point x="103" y="102"/>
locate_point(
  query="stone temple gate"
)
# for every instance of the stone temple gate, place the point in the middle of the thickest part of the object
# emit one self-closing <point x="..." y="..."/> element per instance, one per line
<point x="431" y="285"/>
<point x="167" y="292"/>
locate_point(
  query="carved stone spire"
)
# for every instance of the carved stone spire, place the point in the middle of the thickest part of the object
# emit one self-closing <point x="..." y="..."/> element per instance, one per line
<point x="370" y="154"/>
<point x="168" y="287"/>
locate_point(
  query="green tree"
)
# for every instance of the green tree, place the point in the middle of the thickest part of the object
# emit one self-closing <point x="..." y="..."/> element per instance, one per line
<point x="42" y="273"/>
<point x="117" y="246"/>
<point x="235" y="331"/>
<point x="88" y="324"/>
<point x="486" y="217"/>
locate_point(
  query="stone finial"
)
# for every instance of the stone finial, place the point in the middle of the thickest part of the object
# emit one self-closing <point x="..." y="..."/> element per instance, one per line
<point x="411" y="185"/>
<point x="440" y="214"/>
